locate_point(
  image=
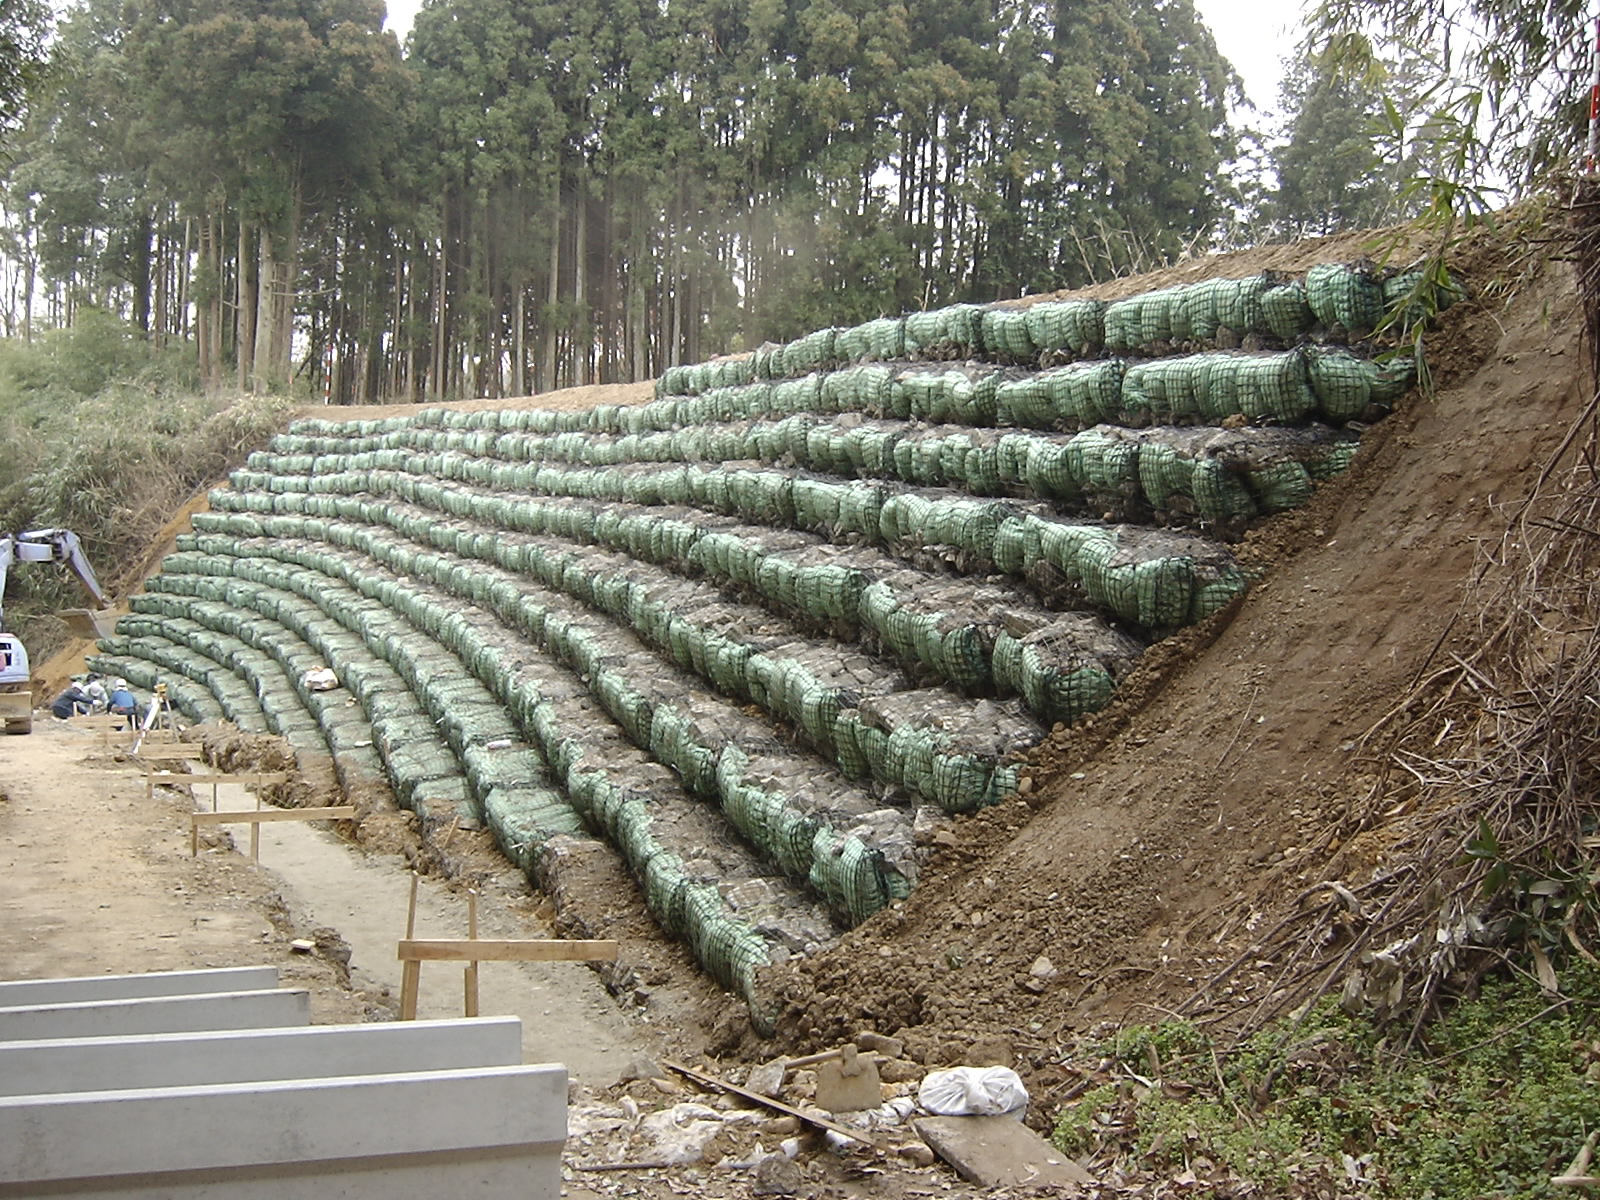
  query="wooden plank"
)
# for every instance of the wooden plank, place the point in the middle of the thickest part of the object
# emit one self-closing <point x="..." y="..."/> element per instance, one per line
<point x="152" y="776"/>
<point x="246" y="778"/>
<point x="810" y="1118"/>
<point x="410" y="985"/>
<point x="254" y="816"/>
<point x="469" y="950"/>
<point x="159" y="750"/>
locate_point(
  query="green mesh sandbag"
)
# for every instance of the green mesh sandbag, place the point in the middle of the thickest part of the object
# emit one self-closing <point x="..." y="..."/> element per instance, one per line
<point x="1282" y="486"/>
<point x="1006" y="334"/>
<point x="1026" y="402"/>
<point x="1104" y="464"/>
<point x="1161" y="391"/>
<point x="1219" y="492"/>
<point x="1066" y="328"/>
<point x="1197" y="310"/>
<point x="1239" y="306"/>
<point x="1087" y="393"/>
<point x="1165" y="476"/>
<point x="1288" y="313"/>
<point x="1347" y="295"/>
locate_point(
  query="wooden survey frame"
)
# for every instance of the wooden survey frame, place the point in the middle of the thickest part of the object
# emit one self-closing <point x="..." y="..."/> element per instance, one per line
<point x="257" y="816"/>
<point x="216" y="779"/>
<point x="413" y="952"/>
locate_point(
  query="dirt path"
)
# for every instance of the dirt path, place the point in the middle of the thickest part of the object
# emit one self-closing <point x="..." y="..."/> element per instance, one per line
<point x="97" y="879"/>
<point x="567" y="1015"/>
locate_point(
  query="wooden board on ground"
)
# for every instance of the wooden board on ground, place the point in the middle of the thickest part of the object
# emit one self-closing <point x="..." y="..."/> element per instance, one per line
<point x="1000" y="1152"/>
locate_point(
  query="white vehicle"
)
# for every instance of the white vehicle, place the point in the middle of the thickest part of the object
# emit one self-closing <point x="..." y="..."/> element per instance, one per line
<point x="36" y="545"/>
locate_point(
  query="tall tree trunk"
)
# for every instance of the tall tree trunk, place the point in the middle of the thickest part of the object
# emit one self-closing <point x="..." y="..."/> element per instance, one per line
<point x="582" y="341"/>
<point x="546" y="374"/>
<point x="27" y="287"/>
<point x="141" y="271"/>
<point x="285" y="274"/>
<point x="436" y="373"/>
<point x="261" y="377"/>
<point x="519" y="341"/>
<point x="246" y="321"/>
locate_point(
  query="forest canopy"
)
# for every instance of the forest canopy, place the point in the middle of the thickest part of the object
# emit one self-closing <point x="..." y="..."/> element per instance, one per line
<point x="536" y="195"/>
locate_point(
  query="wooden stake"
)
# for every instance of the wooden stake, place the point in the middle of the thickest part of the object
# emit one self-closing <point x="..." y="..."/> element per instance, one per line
<point x="470" y="971"/>
<point x="410" y="971"/>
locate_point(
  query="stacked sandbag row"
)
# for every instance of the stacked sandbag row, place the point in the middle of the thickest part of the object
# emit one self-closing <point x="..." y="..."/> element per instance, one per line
<point x="286" y="633"/>
<point x="801" y="826"/>
<point x="1331" y="302"/>
<point x="1066" y="470"/>
<point x="260" y="603"/>
<point x="929" y="622"/>
<point x="174" y="663"/>
<point x="975" y="536"/>
<point x="684" y="620"/>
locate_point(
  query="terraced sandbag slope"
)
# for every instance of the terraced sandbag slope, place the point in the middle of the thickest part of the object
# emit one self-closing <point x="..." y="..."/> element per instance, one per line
<point x="763" y="634"/>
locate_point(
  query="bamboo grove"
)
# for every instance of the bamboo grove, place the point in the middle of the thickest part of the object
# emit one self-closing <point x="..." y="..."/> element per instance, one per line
<point x="533" y="195"/>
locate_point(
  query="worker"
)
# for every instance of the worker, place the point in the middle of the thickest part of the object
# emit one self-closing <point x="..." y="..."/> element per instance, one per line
<point x="121" y="702"/>
<point x="72" y="702"/>
<point x="95" y="689"/>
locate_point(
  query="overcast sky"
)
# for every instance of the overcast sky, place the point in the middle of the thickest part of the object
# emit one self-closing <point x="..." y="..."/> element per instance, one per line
<point x="1254" y="35"/>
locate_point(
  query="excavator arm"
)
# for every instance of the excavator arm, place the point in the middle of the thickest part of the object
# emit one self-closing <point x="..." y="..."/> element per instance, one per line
<point x="49" y="545"/>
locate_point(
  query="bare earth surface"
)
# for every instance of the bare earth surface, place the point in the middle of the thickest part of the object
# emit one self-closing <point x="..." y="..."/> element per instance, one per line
<point x="1160" y="833"/>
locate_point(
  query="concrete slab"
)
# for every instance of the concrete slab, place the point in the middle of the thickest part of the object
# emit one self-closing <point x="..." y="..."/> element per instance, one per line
<point x="18" y="993"/>
<point x="158" y="1014"/>
<point x="491" y="1133"/>
<point x="50" y="1066"/>
<point x="999" y="1152"/>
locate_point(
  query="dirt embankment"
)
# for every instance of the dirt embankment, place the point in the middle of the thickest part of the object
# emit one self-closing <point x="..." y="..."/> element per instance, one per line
<point x="1167" y="832"/>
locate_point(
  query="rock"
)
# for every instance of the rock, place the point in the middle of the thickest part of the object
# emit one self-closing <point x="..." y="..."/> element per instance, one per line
<point x="331" y="946"/>
<point x="1043" y="968"/>
<point x="999" y="1152"/>
<point x="641" y="1068"/>
<point x="889" y="1047"/>
<point x="898" y="1070"/>
<point x="767" y="1079"/>
<point x="681" y="1134"/>
<point x="991" y="1051"/>
<point x="849" y="1083"/>
<point x="778" y="1175"/>
<point x="781" y="1126"/>
<point x="918" y="1153"/>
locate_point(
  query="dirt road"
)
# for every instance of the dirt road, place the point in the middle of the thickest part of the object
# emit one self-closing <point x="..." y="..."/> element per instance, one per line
<point x="97" y="879"/>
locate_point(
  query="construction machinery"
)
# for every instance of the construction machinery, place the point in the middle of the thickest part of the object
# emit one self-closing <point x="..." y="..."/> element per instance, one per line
<point x="35" y="545"/>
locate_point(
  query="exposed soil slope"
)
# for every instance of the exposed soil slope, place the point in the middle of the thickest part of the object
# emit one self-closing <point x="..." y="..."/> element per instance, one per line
<point x="1163" y="834"/>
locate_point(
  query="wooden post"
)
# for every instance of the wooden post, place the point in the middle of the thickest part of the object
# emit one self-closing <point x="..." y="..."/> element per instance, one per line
<point x="470" y="971"/>
<point x="255" y="829"/>
<point x="411" y="970"/>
